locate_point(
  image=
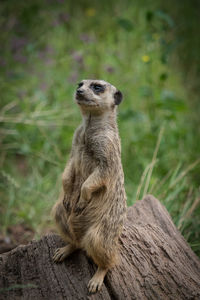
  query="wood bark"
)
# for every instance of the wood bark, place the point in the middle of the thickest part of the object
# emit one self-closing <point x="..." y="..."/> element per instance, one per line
<point x="156" y="263"/>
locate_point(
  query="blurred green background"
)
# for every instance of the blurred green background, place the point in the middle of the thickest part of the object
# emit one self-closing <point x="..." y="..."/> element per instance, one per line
<point x="147" y="49"/>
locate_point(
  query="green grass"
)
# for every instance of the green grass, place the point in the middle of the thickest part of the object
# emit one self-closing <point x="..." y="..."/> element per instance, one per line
<point x="43" y="58"/>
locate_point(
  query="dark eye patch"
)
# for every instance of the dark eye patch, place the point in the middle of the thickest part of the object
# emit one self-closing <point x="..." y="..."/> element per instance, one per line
<point x="80" y="84"/>
<point x="97" y="88"/>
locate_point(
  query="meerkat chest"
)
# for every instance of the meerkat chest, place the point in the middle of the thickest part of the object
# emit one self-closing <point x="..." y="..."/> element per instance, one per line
<point x="84" y="158"/>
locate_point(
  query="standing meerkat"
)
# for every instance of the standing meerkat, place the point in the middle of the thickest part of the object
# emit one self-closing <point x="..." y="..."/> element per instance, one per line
<point x="91" y="210"/>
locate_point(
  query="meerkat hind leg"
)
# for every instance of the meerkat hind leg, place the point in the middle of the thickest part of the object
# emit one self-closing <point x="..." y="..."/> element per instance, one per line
<point x="61" y="253"/>
<point x="96" y="282"/>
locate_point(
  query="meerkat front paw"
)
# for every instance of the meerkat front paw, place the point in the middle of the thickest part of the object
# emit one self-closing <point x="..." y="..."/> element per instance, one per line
<point x="94" y="285"/>
<point x="96" y="282"/>
<point x="85" y="193"/>
<point x="61" y="253"/>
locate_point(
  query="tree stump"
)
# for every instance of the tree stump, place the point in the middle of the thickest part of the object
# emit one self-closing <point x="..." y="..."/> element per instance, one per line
<point x="156" y="263"/>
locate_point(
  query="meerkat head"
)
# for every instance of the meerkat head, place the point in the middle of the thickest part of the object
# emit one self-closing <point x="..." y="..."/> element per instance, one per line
<point x="97" y="95"/>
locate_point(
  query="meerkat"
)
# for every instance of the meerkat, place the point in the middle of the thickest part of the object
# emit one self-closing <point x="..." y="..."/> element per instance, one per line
<point x="91" y="210"/>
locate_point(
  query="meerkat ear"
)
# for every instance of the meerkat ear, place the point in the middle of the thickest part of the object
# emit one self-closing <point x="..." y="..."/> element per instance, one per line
<point x="118" y="97"/>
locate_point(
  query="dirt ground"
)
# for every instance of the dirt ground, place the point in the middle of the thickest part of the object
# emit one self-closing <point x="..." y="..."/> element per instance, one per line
<point x="16" y="235"/>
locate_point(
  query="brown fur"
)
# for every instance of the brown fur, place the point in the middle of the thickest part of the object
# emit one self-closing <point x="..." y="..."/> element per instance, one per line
<point x="92" y="207"/>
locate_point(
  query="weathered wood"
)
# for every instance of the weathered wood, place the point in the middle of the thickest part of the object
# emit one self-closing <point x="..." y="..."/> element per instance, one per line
<point x="156" y="263"/>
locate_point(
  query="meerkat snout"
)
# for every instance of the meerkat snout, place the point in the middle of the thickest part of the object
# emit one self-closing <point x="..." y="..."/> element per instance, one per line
<point x="80" y="95"/>
<point x="79" y="92"/>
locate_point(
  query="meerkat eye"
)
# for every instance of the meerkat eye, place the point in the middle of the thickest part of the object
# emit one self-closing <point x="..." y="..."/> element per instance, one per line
<point x="98" y="88"/>
<point x="80" y="85"/>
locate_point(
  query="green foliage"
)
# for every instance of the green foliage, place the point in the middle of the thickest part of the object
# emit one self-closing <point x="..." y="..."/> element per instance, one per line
<point x="48" y="47"/>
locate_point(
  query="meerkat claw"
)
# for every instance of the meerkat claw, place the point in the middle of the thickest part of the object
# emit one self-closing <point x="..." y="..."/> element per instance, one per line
<point x="61" y="253"/>
<point x="58" y="255"/>
<point x="96" y="282"/>
<point x="94" y="285"/>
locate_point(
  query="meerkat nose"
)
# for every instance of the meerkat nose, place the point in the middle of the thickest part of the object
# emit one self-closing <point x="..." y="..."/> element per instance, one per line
<point x="80" y="92"/>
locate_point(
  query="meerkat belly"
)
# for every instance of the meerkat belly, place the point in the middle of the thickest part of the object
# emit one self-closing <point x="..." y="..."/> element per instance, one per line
<point x="79" y="220"/>
<point x="104" y="213"/>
